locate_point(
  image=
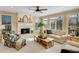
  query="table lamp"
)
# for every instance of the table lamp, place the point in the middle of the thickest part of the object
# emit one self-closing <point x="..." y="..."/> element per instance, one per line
<point x="1" y="28"/>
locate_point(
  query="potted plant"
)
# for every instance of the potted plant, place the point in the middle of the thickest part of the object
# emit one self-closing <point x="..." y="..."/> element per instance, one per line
<point x="40" y="25"/>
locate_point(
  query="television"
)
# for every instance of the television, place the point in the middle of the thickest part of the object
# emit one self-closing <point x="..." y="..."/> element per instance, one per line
<point x="49" y="31"/>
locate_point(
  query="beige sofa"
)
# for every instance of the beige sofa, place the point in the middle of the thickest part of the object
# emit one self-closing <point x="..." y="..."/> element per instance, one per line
<point x="59" y="36"/>
<point x="73" y="43"/>
<point x="70" y="47"/>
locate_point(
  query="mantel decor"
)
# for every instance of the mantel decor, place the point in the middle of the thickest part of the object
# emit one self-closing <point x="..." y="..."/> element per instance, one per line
<point x="26" y="19"/>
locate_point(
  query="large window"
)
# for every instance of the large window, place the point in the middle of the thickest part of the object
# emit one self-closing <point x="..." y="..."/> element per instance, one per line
<point x="53" y="23"/>
<point x="56" y="23"/>
<point x="73" y="24"/>
<point x="59" y="23"/>
<point x="36" y="26"/>
<point x="6" y="19"/>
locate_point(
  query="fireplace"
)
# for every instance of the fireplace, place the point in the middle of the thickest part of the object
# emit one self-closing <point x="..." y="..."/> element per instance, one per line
<point x="25" y="30"/>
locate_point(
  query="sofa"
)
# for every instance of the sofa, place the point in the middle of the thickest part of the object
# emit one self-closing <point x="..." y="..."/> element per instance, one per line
<point x="73" y="43"/>
<point x="59" y="36"/>
<point x="70" y="48"/>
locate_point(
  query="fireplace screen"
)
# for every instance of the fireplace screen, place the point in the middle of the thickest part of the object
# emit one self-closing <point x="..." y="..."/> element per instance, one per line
<point x="25" y="31"/>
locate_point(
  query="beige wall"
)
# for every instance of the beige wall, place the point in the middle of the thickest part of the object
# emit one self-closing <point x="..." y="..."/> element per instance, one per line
<point x="13" y="17"/>
<point x="65" y="15"/>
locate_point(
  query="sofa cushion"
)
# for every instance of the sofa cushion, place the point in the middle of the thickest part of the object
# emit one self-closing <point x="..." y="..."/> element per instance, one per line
<point x="55" y="36"/>
<point x="59" y="32"/>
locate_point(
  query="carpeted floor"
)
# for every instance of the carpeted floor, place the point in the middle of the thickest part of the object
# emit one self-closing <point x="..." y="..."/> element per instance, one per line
<point x="32" y="47"/>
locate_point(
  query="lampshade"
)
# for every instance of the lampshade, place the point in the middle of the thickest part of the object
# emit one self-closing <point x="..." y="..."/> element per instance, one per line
<point x="2" y="27"/>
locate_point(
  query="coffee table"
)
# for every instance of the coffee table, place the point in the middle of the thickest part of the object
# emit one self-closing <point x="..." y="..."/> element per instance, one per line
<point x="47" y="43"/>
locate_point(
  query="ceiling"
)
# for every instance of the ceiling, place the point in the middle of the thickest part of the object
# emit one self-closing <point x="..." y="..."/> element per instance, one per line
<point x="26" y="9"/>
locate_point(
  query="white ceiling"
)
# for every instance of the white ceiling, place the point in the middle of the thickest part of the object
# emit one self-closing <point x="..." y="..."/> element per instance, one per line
<point x="25" y="9"/>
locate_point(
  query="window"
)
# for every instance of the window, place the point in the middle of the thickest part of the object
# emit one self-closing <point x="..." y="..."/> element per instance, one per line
<point x="73" y="24"/>
<point x="53" y="23"/>
<point x="56" y="23"/>
<point x="6" y="19"/>
<point x="59" y="23"/>
<point x="46" y="23"/>
<point x="36" y="26"/>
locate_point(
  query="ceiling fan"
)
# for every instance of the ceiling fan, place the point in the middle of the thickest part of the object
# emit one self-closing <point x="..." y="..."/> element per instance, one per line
<point x="38" y="9"/>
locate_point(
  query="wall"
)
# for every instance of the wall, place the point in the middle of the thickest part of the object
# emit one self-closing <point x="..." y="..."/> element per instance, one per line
<point x="65" y="15"/>
<point x="13" y="17"/>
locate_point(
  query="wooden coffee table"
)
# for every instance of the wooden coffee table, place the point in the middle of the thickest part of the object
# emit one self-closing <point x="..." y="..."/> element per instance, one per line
<point x="47" y="43"/>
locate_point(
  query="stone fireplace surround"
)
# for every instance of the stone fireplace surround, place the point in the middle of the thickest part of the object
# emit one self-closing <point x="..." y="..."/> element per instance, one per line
<point x="23" y="25"/>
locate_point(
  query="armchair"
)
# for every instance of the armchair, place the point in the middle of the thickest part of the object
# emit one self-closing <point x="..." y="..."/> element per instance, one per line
<point x="10" y="39"/>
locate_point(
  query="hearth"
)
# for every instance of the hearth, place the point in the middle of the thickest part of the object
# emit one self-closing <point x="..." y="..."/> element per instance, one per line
<point x="25" y="30"/>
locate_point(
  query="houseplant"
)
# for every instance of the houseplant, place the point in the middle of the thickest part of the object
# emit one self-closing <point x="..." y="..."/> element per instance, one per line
<point x="40" y="25"/>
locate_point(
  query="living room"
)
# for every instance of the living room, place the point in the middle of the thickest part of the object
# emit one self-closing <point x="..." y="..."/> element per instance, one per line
<point x="39" y="29"/>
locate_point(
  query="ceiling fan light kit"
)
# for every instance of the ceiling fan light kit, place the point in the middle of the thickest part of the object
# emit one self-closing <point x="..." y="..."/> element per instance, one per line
<point x="38" y="9"/>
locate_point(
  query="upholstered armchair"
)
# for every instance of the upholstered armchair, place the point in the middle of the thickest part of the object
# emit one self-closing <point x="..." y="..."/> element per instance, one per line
<point x="10" y="38"/>
<point x="13" y="40"/>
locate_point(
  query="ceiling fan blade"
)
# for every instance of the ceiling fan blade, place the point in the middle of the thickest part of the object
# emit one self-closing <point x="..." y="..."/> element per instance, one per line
<point x="38" y="9"/>
<point x="32" y="9"/>
<point x="43" y="9"/>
